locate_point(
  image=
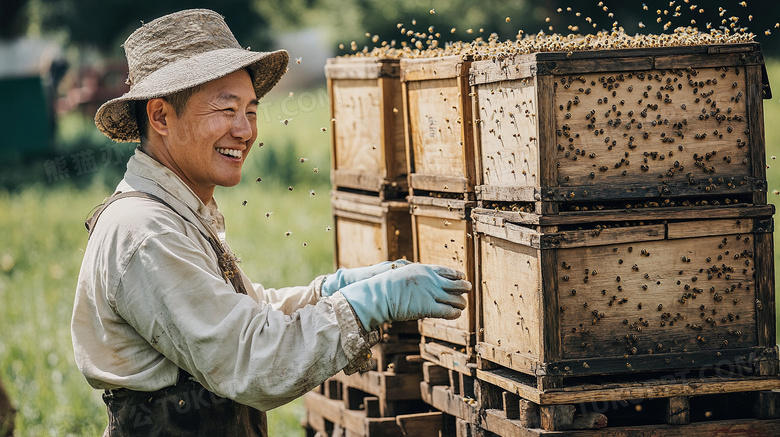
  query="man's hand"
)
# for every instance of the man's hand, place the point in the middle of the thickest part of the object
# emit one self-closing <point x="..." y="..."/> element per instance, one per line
<point x="344" y="277"/>
<point x="406" y="293"/>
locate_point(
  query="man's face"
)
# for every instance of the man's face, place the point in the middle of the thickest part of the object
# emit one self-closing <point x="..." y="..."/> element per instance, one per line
<point x="210" y="140"/>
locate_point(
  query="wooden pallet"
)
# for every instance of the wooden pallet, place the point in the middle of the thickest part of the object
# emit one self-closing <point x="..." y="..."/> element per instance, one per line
<point x="332" y="418"/>
<point x="396" y="393"/>
<point x="367" y="132"/>
<point x="555" y="128"/>
<point x="671" y="294"/>
<point x="495" y="423"/>
<point x="666" y="399"/>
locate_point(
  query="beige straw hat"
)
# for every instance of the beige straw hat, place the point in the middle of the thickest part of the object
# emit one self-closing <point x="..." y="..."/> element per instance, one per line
<point x="179" y="51"/>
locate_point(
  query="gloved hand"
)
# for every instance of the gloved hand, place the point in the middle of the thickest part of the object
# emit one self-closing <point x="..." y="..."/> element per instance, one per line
<point x="344" y="277"/>
<point x="407" y="293"/>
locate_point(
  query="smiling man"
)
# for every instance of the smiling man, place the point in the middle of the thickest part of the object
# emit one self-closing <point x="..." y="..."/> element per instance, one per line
<point x="164" y="320"/>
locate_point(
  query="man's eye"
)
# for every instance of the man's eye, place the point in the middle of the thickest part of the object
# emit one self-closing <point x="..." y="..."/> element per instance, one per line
<point x="251" y="114"/>
<point x="229" y="110"/>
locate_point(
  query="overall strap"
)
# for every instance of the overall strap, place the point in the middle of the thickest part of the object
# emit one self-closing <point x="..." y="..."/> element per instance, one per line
<point x="226" y="260"/>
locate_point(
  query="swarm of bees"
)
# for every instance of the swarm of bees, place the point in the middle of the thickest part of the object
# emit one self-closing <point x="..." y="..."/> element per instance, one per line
<point x="426" y="43"/>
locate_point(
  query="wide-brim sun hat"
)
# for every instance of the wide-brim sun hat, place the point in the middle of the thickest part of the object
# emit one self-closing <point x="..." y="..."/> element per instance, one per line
<point x="177" y="52"/>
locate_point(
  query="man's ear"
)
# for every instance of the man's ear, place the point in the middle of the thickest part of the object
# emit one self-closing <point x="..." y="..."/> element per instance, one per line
<point x="158" y="111"/>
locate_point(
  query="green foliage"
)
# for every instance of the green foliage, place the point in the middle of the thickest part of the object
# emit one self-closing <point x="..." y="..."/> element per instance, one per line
<point x="105" y="25"/>
<point x="350" y="20"/>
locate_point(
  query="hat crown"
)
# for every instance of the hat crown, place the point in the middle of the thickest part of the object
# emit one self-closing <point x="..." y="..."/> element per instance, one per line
<point x="175" y="37"/>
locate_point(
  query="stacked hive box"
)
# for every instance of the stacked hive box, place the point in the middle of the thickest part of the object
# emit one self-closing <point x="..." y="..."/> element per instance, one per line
<point x="372" y="224"/>
<point x="623" y="241"/>
<point x="440" y="151"/>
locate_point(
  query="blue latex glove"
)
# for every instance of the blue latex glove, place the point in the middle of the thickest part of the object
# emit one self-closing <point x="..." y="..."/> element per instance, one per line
<point x="407" y="293"/>
<point x="344" y="277"/>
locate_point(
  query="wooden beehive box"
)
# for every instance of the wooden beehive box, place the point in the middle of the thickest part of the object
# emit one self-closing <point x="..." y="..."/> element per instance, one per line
<point x="692" y="291"/>
<point x="442" y="235"/>
<point x="367" y="136"/>
<point x="556" y="128"/>
<point x="369" y="230"/>
<point x="438" y="123"/>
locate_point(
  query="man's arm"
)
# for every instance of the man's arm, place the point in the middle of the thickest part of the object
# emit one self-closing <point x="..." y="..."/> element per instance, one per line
<point x="234" y="346"/>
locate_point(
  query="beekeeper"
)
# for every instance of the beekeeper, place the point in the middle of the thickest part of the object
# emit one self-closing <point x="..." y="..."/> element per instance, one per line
<point x="164" y="321"/>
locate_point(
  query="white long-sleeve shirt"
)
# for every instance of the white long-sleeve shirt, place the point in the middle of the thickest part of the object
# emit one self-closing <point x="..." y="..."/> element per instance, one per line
<point x="151" y="298"/>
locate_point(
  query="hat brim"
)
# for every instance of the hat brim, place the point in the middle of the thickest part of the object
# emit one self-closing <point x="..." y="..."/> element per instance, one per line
<point x="116" y="119"/>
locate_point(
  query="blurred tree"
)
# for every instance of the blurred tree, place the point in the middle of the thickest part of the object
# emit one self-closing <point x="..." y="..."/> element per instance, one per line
<point x="350" y="20"/>
<point x="105" y="25"/>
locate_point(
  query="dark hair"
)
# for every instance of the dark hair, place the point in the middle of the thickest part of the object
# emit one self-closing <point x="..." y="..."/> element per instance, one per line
<point x="178" y="100"/>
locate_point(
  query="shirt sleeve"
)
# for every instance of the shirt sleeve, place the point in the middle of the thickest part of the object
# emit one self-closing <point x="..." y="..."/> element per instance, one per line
<point x="236" y="347"/>
<point x="287" y="299"/>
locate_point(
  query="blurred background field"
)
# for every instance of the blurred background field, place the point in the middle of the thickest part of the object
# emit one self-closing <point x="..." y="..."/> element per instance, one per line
<point x="54" y="173"/>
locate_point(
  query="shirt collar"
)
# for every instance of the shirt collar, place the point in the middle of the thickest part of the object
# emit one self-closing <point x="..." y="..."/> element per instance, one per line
<point x="146" y="174"/>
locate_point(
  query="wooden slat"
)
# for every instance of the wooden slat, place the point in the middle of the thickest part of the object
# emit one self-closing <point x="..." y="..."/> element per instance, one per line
<point x="448" y="357"/>
<point x="421" y="424"/>
<point x="594" y="65"/>
<point x="652" y="390"/>
<point x="712" y="227"/>
<point x="434" y="328"/>
<point x="678" y="410"/>
<point x="357" y="179"/>
<point x="392" y="120"/>
<point x="618" y="190"/>
<point x="444" y="184"/>
<point x="601" y="237"/>
<point x="713" y="60"/>
<point x="510" y="232"/>
<point x="434" y="374"/>
<point x="545" y="99"/>
<point x="755" y="113"/>
<point x="433" y="68"/>
<point x="765" y="291"/>
<point x="386" y="385"/>
<point x="460" y="207"/>
<point x="495" y="422"/>
<point x="635" y="214"/>
<point x="361" y="68"/>
<point x="514" y="68"/>
<point x="443" y="399"/>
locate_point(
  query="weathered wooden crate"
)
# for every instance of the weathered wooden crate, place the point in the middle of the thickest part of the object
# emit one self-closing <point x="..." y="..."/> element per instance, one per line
<point x="438" y="123"/>
<point x="442" y="235"/>
<point x="695" y="290"/>
<point x="369" y="230"/>
<point x="367" y="136"/>
<point x="552" y="129"/>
